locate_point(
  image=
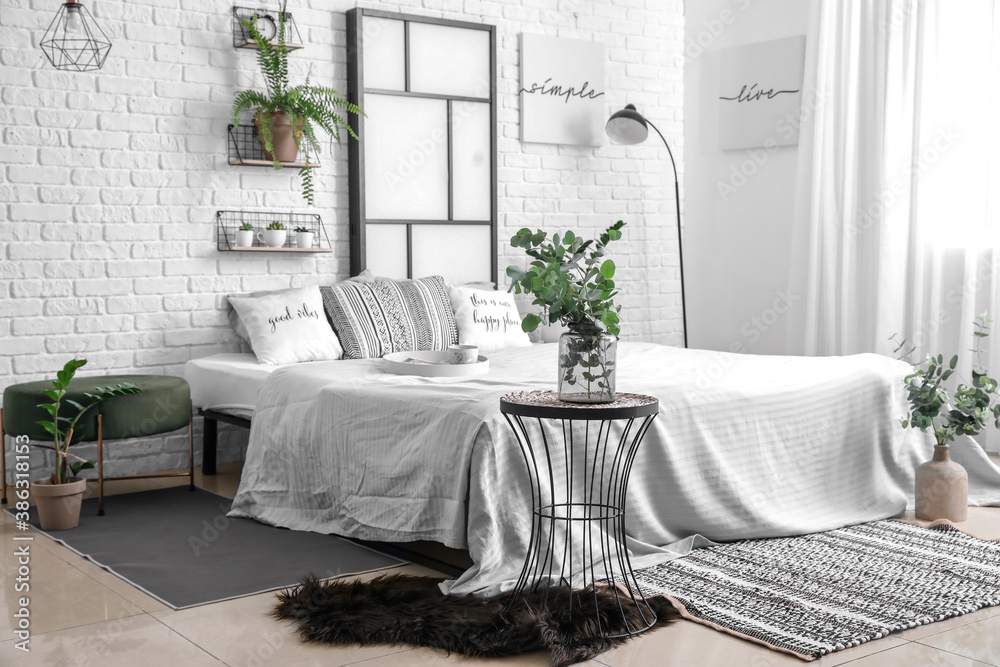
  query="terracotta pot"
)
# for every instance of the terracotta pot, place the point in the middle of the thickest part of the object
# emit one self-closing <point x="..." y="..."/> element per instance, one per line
<point x="282" y="136"/>
<point x="58" y="504"/>
<point x="942" y="488"/>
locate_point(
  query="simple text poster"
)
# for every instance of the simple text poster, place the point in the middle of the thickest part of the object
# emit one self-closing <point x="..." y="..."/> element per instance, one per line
<point x="562" y="90"/>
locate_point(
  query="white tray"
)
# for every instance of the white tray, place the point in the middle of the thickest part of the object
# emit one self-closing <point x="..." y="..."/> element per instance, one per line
<point x="438" y="368"/>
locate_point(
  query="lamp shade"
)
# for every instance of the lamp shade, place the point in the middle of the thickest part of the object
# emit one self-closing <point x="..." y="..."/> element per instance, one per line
<point x="74" y="41"/>
<point x="627" y="126"/>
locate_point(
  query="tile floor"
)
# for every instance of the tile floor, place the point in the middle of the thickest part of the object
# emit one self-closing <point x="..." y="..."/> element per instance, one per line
<point x="81" y="615"/>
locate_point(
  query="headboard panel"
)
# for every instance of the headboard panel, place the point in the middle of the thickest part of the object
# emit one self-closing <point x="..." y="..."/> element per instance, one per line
<point x="423" y="176"/>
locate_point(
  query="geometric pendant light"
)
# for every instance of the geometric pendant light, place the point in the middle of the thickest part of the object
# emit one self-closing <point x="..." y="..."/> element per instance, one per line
<point x="74" y="41"/>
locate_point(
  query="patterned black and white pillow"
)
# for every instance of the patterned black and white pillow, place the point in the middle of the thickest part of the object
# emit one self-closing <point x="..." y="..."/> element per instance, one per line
<point x="385" y="316"/>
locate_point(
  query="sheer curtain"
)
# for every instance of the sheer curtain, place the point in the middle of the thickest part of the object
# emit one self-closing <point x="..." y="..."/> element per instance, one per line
<point x="899" y="181"/>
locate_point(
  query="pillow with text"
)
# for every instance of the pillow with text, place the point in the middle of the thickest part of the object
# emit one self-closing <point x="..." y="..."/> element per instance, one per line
<point x="487" y="318"/>
<point x="287" y="327"/>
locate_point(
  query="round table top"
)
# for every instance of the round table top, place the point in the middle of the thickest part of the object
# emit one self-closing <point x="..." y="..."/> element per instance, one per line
<point x="546" y="403"/>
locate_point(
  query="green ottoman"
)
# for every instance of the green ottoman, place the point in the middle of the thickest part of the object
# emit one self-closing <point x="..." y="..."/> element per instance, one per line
<point x="163" y="406"/>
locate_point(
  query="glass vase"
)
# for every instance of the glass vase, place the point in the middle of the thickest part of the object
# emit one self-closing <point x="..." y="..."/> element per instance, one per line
<point x="587" y="365"/>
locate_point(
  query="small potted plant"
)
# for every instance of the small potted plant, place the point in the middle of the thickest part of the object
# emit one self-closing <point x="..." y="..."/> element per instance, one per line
<point x="287" y="117"/>
<point x="304" y="237"/>
<point x="572" y="282"/>
<point x="58" y="497"/>
<point x="942" y="484"/>
<point x="245" y="235"/>
<point x="275" y="235"/>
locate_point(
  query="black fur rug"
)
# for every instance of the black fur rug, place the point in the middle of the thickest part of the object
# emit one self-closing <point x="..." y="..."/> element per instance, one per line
<point x="402" y="609"/>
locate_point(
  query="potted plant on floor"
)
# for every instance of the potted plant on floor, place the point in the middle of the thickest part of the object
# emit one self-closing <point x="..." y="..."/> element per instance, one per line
<point x="942" y="484"/>
<point x="58" y="497"/>
<point x="572" y="282"/>
<point x="286" y="116"/>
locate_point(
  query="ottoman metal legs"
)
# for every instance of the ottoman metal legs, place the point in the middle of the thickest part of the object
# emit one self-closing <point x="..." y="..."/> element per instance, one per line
<point x="100" y="464"/>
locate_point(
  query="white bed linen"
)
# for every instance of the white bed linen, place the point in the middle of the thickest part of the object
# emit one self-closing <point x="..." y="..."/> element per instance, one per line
<point x="226" y="382"/>
<point x="744" y="446"/>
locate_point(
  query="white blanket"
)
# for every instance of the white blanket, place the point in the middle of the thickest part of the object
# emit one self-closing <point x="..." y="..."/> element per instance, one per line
<point x="744" y="446"/>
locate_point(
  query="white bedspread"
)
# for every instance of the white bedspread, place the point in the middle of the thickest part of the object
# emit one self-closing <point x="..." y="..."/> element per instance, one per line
<point x="744" y="446"/>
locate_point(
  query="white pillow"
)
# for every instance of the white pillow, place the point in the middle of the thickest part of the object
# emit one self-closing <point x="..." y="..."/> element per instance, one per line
<point x="487" y="318"/>
<point x="288" y="327"/>
<point x="234" y="317"/>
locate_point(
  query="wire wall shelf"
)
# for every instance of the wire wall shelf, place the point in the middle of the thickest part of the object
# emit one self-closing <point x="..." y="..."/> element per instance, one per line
<point x="245" y="149"/>
<point x="268" y="21"/>
<point x="259" y="239"/>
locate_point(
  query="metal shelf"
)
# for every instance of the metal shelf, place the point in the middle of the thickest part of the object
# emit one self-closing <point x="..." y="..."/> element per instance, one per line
<point x="229" y="222"/>
<point x="267" y="21"/>
<point x="245" y="149"/>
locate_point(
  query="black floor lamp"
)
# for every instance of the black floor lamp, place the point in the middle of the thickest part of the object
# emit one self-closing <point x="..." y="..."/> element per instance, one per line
<point x="629" y="127"/>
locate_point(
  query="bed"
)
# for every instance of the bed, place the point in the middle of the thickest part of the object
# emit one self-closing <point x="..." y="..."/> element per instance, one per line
<point x="745" y="446"/>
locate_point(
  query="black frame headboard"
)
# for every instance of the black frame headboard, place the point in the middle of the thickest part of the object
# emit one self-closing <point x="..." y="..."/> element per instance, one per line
<point x="356" y="90"/>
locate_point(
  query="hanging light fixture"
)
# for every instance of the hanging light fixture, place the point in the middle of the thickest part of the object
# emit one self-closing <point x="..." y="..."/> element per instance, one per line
<point x="74" y="41"/>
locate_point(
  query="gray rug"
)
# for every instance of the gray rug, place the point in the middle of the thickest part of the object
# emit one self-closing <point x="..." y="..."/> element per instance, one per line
<point x="180" y="547"/>
<point x="816" y="594"/>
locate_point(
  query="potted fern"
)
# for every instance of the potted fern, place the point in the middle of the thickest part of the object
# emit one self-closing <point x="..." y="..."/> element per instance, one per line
<point x="58" y="497"/>
<point x="286" y="116"/>
<point x="572" y="281"/>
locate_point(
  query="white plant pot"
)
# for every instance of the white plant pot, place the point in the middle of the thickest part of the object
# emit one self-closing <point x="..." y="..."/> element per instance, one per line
<point x="304" y="239"/>
<point x="273" y="238"/>
<point x="244" y="238"/>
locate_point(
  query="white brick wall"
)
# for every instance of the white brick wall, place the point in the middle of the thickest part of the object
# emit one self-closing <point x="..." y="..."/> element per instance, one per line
<point x="110" y="180"/>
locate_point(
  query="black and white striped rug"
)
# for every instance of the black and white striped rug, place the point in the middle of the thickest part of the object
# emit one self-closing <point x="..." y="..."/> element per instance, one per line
<point x="816" y="594"/>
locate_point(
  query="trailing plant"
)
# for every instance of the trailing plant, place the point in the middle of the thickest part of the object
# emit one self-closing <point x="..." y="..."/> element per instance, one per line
<point x="573" y="283"/>
<point x="303" y="230"/>
<point x="246" y="227"/>
<point x="308" y="107"/>
<point x="967" y="410"/>
<point x="63" y="428"/>
<point x="275" y="226"/>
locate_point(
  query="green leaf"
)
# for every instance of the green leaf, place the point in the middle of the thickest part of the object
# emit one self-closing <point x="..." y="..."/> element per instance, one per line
<point x="77" y="466"/>
<point x="48" y="426"/>
<point x="530" y="322"/>
<point x="608" y="269"/>
<point x="953" y="363"/>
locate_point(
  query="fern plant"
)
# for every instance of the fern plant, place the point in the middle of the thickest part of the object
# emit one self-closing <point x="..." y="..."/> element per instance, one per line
<point x="308" y="107"/>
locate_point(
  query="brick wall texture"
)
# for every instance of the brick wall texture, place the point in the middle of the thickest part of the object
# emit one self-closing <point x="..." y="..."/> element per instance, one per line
<point x="110" y="180"/>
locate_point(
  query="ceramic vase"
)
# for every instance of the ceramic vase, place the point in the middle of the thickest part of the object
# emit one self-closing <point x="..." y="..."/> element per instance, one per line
<point x="942" y="488"/>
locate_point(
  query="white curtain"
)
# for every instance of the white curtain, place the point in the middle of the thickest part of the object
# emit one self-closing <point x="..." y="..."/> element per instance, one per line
<point x="897" y="202"/>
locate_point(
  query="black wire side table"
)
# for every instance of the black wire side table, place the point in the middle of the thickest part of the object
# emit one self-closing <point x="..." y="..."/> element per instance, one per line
<point x="578" y="490"/>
